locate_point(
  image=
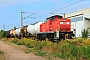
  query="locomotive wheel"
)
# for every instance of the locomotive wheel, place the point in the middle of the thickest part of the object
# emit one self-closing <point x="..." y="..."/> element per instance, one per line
<point x="66" y="36"/>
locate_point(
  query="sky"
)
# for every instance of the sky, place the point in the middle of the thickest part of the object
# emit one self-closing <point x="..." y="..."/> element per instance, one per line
<point x="35" y="10"/>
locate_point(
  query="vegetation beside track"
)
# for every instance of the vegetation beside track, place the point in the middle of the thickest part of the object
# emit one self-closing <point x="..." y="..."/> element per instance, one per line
<point x="2" y="34"/>
<point x="2" y="55"/>
<point x="75" y="49"/>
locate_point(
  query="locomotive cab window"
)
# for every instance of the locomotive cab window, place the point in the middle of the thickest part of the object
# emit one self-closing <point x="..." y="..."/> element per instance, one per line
<point x="52" y="18"/>
<point x="59" y="17"/>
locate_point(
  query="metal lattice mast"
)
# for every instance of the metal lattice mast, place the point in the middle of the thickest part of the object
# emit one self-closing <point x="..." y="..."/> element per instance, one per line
<point x="21" y="20"/>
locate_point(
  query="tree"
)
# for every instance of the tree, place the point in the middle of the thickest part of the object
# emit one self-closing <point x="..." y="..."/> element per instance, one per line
<point x="85" y="33"/>
<point x="2" y="34"/>
<point x="15" y="28"/>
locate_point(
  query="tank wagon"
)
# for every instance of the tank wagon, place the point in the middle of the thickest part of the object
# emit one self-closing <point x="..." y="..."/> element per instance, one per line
<point x="8" y="34"/>
<point x="18" y="32"/>
<point x="23" y="31"/>
<point x="33" y="29"/>
<point x="12" y="33"/>
<point x="55" y="27"/>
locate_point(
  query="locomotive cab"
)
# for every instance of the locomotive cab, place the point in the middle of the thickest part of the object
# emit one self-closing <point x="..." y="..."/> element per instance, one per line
<point x="56" y="17"/>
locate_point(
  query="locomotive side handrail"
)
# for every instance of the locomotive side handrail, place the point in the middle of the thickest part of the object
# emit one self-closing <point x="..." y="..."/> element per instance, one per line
<point x="72" y="27"/>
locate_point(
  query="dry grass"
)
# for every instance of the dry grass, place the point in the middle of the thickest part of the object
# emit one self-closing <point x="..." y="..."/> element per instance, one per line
<point x="87" y="41"/>
<point x="2" y="55"/>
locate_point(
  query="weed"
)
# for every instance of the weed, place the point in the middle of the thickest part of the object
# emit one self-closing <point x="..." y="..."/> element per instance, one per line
<point x="1" y="52"/>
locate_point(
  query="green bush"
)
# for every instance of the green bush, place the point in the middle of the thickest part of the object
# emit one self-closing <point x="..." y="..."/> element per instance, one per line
<point x="18" y="42"/>
<point x="14" y="41"/>
<point x="85" y="33"/>
<point x="1" y="52"/>
<point x="2" y="34"/>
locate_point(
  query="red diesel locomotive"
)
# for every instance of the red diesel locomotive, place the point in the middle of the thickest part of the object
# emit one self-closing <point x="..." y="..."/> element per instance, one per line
<point x="56" y="27"/>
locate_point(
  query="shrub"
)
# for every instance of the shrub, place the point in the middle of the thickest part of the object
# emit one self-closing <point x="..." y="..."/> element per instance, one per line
<point x="85" y="33"/>
<point x="14" y="41"/>
<point x="2" y="34"/>
<point x="18" y="42"/>
<point x="1" y="52"/>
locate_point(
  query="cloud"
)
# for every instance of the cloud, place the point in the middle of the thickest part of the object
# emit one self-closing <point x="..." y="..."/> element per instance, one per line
<point x="14" y="2"/>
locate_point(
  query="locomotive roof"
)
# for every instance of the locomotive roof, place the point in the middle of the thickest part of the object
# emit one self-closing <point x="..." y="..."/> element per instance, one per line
<point x="55" y="16"/>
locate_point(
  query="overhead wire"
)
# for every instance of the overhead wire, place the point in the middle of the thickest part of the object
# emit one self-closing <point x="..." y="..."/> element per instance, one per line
<point x="40" y="11"/>
<point x="44" y="9"/>
<point x="56" y="9"/>
<point x="60" y="8"/>
<point x="86" y="5"/>
<point x="49" y="6"/>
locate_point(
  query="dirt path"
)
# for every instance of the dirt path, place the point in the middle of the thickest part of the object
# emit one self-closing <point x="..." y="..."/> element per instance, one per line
<point x="13" y="53"/>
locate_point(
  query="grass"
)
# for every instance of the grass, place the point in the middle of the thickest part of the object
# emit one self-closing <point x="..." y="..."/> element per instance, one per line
<point x="2" y="56"/>
<point x="37" y="52"/>
<point x="1" y="52"/>
<point x="76" y="49"/>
